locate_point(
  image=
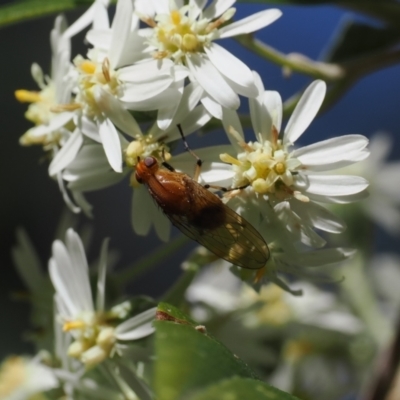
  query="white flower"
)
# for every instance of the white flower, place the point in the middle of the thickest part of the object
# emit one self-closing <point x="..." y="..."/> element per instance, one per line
<point x="186" y="35"/>
<point x="94" y="330"/>
<point x="107" y="82"/>
<point x="383" y="203"/>
<point x="294" y="180"/>
<point x="51" y="122"/>
<point x="22" y="378"/>
<point x="89" y="169"/>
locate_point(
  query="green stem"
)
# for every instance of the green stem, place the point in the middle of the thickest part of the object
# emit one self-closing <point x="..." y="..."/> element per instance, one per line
<point x="150" y="261"/>
<point x="294" y="62"/>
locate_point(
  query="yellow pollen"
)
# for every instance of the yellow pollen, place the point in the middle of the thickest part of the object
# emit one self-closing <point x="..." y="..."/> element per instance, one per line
<point x="226" y="158"/>
<point x="65" y="107"/>
<point x="190" y="42"/>
<point x="176" y="17"/>
<point x="88" y="66"/>
<point x="27" y="96"/>
<point x="280" y="168"/>
<point x="260" y="186"/>
<point x="159" y="55"/>
<point x="106" y="69"/>
<point x="69" y="326"/>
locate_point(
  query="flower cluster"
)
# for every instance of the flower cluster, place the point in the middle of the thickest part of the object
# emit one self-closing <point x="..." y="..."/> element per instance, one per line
<point x="160" y="60"/>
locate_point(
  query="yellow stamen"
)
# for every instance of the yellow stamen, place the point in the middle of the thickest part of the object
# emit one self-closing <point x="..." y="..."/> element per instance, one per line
<point x="280" y="168"/>
<point x="65" y="107"/>
<point x="159" y="55"/>
<point x="27" y="96"/>
<point x="226" y="158"/>
<point x="106" y="69"/>
<point x="70" y="325"/>
<point x="260" y="186"/>
<point x="175" y="17"/>
<point x="190" y="42"/>
<point x="88" y="66"/>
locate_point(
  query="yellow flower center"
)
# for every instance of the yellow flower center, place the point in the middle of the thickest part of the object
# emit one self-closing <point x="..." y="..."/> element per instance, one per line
<point x="177" y="34"/>
<point x="266" y="166"/>
<point x="94" y="337"/>
<point x="91" y="75"/>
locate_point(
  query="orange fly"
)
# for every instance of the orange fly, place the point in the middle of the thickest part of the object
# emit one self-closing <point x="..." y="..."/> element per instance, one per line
<point x="202" y="216"/>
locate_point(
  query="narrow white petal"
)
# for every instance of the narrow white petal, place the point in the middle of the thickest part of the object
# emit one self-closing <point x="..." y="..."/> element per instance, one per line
<point x="147" y="71"/>
<point x="266" y="112"/>
<point x="114" y="110"/>
<point x="136" y="327"/>
<point x="251" y="23"/>
<point x="66" y="154"/>
<point x="339" y="199"/>
<point x="65" y="194"/>
<point x="89" y="128"/>
<point x="54" y="124"/>
<point x="111" y="144"/>
<point x="137" y="98"/>
<point x="101" y="277"/>
<point x="100" y="17"/>
<point x="217" y="8"/>
<point x="196" y="7"/>
<point x="137" y="92"/>
<point x="99" y="39"/>
<point x="194" y="121"/>
<point x="191" y="96"/>
<point x="237" y="71"/>
<point x="94" y="180"/>
<point x="82" y="203"/>
<point x="318" y="216"/>
<point x="80" y="269"/>
<point x="212" y="106"/>
<point x="166" y="115"/>
<point x="305" y="111"/>
<point x="273" y="103"/>
<point x="323" y="257"/>
<point x="230" y="120"/>
<point x="121" y="30"/>
<point x="333" y="153"/>
<point x="330" y="185"/>
<point x="212" y="81"/>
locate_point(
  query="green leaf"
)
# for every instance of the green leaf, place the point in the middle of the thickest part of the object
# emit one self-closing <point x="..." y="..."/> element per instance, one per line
<point x="238" y="388"/>
<point x="24" y="10"/>
<point x="357" y="39"/>
<point x="188" y="359"/>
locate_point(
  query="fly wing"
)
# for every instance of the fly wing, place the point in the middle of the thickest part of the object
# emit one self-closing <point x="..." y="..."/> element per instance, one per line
<point x="234" y="239"/>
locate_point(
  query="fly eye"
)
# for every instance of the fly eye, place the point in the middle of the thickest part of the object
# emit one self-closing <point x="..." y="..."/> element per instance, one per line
<point x="149" y="162"/>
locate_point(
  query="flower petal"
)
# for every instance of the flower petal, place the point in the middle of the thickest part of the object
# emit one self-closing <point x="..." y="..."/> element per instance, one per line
<point x="141" y="221"/>
<point x="217" y="8"/>
<point x="238" y="72"/>
<point x="333" y="153"/>
<point x="66" y="154"/>
<point x="305" y="111"/>
<point x="111" y="144"/>
<point x="121" y="30"/>
<point x="251" y="23"/>
<point x="136" y="327"/>
<point x="113" y="109"/>
<point x="212" y="81"/>
<point x="330" y="185"/>
<point x="317" y="216"/>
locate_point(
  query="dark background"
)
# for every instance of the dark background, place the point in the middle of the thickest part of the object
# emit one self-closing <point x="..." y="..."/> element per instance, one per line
<point x="30" y="199"/>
